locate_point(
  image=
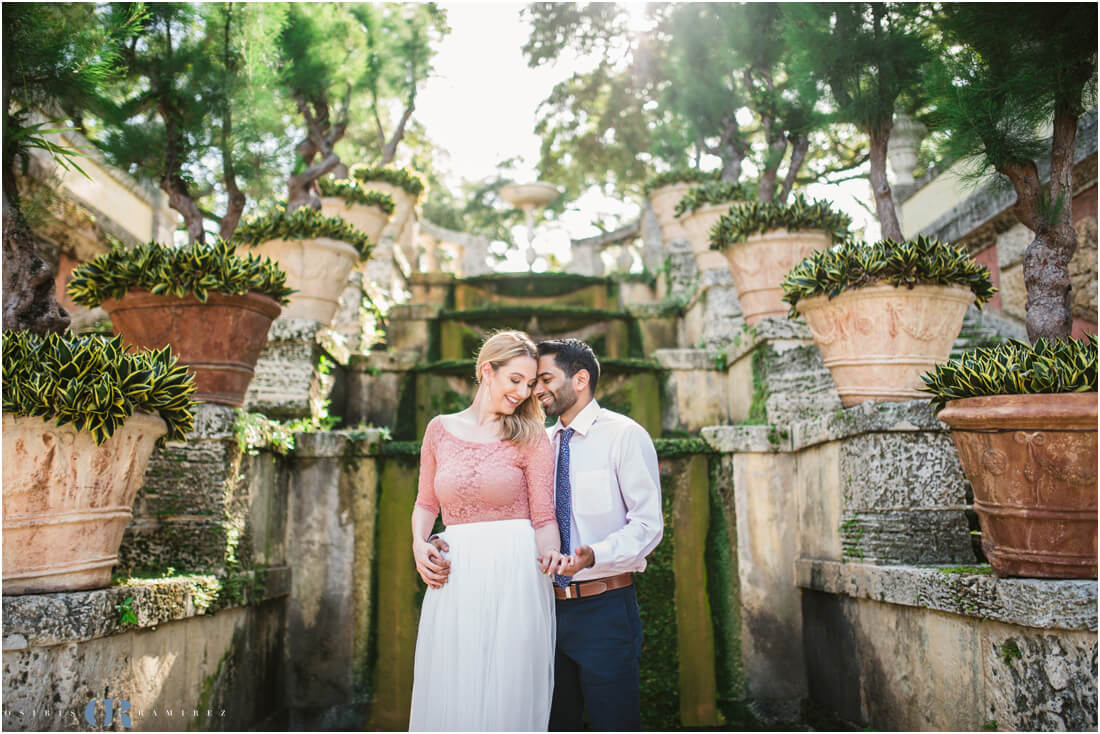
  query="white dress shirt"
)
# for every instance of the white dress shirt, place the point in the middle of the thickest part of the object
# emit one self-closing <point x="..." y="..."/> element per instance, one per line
<point x="616" y="490"/>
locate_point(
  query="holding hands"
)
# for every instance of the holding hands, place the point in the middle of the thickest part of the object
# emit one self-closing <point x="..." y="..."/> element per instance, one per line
<point x="553" y="562"/>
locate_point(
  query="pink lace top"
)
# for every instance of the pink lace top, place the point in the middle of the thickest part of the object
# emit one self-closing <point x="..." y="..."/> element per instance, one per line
<point x="476" y="482"/>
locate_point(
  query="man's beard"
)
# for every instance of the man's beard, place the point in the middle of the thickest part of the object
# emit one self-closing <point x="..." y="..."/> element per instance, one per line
<point x="562" y="401"/>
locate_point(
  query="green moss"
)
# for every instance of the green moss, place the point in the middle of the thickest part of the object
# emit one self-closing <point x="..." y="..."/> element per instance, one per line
<point x="1009" y="651"/>
<point x="456" y="367"/>
<point x="976" y="570"/>
<point x="851" y="533"/>
<point x="400" y="448"/>
<point x="405" y="422"/>
<point x="617" y="366"/>
<point x="659" y="674"/>
<point x="758" y="407"/>
<point x="725" y="599"/>
<point x="514" y="313"/>
<point x="673" y="448"/>
<point x="539" y="285"/>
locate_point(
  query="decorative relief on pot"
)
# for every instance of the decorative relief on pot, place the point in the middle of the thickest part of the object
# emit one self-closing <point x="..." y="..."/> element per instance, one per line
<point x="995" y="462"/>
<point x="876" y="341"/>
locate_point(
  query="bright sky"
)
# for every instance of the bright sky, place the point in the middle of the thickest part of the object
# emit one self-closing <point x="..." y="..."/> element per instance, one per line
<point x="481" y="104"/>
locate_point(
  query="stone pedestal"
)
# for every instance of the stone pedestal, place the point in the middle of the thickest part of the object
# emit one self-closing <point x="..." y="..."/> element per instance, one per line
<point x="695" y="389"/>
<point x="430" y="288"/>
<point x="374" y="387"/>
<point x="408" y="327"/>
<point x="298" y="371"/>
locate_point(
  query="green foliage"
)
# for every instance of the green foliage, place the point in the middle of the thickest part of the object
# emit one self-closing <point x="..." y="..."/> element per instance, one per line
<point x="256" y="432"/>
<point x="1003" y="75"/>
<point x="200" y="108"/>
<point x="1016" y="368"/>
<point x="680" y="175"/>
<point x="94" y="383"/>
<point x="56" y="56"/>
<point x="675" y="448"/>
<point x="850" y="265"/>
<point x="197" y="269"/>
<point x="126" y="613"/>
<point x="714" y="192"/>
<point x="743" y="220"/>
<point x="354" y="192"/>
<point x="399" y="177"/>
<point x="301" y="224"/>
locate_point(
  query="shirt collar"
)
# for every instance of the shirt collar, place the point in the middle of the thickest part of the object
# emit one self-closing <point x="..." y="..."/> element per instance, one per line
<point x="583" y="420"/>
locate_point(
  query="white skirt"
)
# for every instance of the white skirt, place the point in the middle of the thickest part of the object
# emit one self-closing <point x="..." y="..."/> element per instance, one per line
<point x="485" y="646"/>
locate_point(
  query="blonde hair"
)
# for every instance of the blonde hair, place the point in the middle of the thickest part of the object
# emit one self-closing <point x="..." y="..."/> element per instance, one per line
<point x="527" y="423"/>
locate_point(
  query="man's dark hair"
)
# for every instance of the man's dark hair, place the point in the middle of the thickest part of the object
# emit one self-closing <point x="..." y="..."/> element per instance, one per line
<point x="572" y="355"/>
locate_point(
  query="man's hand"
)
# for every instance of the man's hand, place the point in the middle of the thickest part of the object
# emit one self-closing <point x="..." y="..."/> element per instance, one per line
<point x="430" y="563"/>
<point x="580" y="559"/>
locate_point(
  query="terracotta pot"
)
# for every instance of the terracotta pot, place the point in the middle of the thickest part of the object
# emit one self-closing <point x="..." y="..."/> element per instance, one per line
<point x="318" y="269"/>
<point x="697" y="226"/>
<point x="67" y="501"/>
<point x="219" y="340"/>
<point x="403" y="205"/>
<point x="1032" y="462"/>
<point x="760" y="263"/>
<point x="370" y="220"/>
<point x="664" y="201"/>
<point x="876" y="341"/>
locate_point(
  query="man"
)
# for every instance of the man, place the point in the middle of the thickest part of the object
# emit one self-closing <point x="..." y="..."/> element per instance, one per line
<point x="608" y="497"/>
<point x="608" y="494"/>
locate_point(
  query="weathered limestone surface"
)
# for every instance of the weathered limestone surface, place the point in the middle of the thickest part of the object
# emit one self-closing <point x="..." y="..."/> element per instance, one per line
<point x="193" y="512"/>
<point x="177" y="668"/>
<point x="970" y="591"/>
<point x="288" y="382"/>
<point x="374" y="386"/>
<point x="408" y="327"/>
<point x="714" y="318"/>
<point x="879" y="662"/>
<point x="333" y="491"/>
<point x="776" y="374"/>
<point x="695" y="389"/>
<point x="771" y="615"/>
<point x="1082" y="271"/>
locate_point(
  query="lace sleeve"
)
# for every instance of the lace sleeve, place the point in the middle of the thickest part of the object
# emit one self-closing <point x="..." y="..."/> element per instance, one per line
<point x="539" y="471"/>
<point x="425" y="490"/>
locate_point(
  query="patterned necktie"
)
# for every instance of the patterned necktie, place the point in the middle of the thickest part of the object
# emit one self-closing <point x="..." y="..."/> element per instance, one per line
<point x="563" y="499"/>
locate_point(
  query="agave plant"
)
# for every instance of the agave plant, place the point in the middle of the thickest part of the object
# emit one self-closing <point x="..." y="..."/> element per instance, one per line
<point x="399" y="177"/>
<point x="744" y="220"/>
<point x="714" y="192"/>
<point x="680" y="175"/>
<point x="854" y="264"/>
<point x="197" y="269"/>
<point x="301" y="224"/>
<point x="1016" y="368"/>
<point x="354" y="192"/>
<point x="94" y="383"/>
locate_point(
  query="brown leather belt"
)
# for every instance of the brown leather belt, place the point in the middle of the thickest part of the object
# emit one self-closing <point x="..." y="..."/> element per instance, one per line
<point x="595" y="587"/>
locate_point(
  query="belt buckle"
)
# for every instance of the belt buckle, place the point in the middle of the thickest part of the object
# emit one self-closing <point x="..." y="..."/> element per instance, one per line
<point x="569" y="593"/>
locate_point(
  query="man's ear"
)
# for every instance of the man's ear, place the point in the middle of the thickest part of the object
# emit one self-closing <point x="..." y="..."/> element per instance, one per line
<point x="580" y="379"/>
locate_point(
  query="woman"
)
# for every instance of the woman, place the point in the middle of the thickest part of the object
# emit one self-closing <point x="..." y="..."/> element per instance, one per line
<point x="485" y="647"/>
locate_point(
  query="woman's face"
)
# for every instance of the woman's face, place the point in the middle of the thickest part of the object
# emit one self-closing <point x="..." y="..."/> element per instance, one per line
<point x="510" y="385"/>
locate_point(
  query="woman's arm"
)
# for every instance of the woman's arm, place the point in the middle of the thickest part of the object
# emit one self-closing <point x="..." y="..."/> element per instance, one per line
<point x="539" y="471"/>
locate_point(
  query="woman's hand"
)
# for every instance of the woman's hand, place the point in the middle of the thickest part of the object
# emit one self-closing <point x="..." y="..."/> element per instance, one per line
<point x="549" y="560"/>
<point x="430" y="564"/>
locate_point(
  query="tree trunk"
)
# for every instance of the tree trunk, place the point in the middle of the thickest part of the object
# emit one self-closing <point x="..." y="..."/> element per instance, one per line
<point x="299" y="189"/>
<point x="884" y="199"/>
<point x="1046" y="260"/>
<point x="777" y="148"/>
<point x="30" y="297"/>
<point x="800" y="146"/>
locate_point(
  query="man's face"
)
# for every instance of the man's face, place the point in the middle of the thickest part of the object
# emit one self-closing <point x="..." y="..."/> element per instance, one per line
<point x="552" y="388"/>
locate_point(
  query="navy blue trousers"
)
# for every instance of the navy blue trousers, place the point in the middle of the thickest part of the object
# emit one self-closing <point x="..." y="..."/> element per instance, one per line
<point x="596" y="663"/>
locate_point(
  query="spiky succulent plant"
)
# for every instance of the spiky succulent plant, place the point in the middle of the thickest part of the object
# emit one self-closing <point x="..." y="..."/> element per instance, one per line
<point x="354" y="192"/>
<point x="197" y="269"/>
<point x="744" y="220"/>
<point x="302" y="224"/>
<point x="1016" y="368"/>
<point x="851" y="264"/>
<point x="94" y="383"/>
<point x="714" y="192"/>
<point x="399" y="177"/>
<point x="680" y="175"/>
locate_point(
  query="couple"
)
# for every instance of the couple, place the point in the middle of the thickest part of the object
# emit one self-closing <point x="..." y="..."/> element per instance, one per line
<point x="545" y="528"/>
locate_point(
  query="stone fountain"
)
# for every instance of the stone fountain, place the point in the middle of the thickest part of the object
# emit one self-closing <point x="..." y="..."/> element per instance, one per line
<point x="529" y="197"/>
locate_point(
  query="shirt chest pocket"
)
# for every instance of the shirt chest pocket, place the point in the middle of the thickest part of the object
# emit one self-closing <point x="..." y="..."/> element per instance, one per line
<point x="592" y="492"/>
